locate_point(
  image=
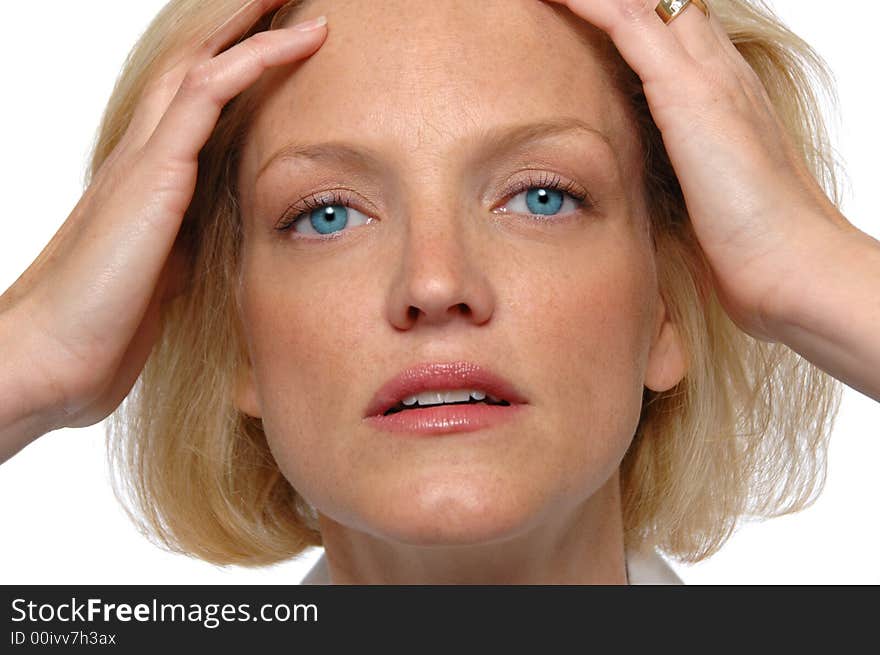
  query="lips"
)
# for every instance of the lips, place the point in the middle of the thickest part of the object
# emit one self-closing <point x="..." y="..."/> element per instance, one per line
<point x="442" y="376"/>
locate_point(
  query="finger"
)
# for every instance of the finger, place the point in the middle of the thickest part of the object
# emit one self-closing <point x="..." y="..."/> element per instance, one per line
<point x="159" y="93"/>
<point x="639" y="34"/>
<point x="694" y="31"/>
<point x="734" y="57"/>
<point x="151" y="192"/>
<point x="193" y="114"/>
<point x="706" y="42"/>
<point x="239" y="23"/>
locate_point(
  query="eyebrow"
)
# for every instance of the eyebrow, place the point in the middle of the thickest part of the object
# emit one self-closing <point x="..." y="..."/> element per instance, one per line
<point x="493" y="140"/>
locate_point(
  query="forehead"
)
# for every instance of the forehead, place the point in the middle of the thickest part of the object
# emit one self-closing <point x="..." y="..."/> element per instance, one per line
<point x="427" y="74"/>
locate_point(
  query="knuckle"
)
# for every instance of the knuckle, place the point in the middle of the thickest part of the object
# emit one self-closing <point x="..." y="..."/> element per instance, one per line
<point x="256" y="46"/>
<point x="636" y="9"/>
<point x="197" y="79"/>
<point x="165" y="81"/>
<point x="163" y="87"/>
<point x="260" y="39"/>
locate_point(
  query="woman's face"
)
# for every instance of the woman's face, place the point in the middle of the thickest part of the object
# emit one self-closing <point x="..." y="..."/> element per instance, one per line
<point x="430" y="268"/>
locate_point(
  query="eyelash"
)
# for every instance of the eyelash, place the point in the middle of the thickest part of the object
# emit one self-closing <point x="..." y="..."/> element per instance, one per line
<point x="550" y="181"/>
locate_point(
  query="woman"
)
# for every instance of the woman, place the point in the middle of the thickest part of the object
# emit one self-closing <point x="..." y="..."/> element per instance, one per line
<point x="244" y="440"/>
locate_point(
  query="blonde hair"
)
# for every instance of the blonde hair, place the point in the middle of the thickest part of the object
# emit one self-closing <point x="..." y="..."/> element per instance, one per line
<point x="743" y="435"/>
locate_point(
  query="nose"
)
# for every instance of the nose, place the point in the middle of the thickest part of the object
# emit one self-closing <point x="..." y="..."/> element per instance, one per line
<point x="442" y="275"/>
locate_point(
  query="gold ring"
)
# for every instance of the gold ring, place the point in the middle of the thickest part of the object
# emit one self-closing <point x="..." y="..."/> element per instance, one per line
<point x="668" y="10"/>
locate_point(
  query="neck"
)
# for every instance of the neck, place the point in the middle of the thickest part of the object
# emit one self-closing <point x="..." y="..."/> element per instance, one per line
<point x="582" y="545"/>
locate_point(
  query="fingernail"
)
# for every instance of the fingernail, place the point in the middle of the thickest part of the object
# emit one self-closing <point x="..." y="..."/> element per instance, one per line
<point x="315" y="23"/>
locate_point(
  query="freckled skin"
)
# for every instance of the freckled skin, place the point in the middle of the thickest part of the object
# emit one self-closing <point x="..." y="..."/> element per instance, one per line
<point x="570" y="312"/>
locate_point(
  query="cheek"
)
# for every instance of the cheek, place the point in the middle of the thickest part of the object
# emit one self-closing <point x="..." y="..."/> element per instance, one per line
<point x="304" y="337"/>
<point x="300" y="313"/>
<point x="584" y="322"/>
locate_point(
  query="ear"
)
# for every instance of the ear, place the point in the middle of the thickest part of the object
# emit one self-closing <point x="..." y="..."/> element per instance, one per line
<point x="246" y="398"/>
<point x="667" y="362"/>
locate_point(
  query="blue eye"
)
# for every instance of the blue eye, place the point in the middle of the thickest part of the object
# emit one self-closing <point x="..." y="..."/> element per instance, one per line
<point x="544" y="201"/>
<point x="329" y="214"/>
<point x="546" y="196"/>
<point x="325" y="217"/>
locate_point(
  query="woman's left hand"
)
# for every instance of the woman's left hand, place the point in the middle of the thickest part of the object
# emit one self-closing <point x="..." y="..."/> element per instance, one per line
<point x="757" y="211"/>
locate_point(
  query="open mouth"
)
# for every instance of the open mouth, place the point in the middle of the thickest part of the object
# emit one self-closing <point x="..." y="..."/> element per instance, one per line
<point x="400" y="407"/>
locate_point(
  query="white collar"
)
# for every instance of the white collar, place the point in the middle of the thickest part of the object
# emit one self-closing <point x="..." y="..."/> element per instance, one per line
<point x="644" y="568"/>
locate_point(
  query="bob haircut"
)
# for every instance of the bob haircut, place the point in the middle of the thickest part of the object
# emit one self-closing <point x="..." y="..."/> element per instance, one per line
<point x="743" y="435"/>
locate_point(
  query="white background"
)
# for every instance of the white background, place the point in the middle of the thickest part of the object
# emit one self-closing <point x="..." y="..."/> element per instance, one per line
<point x="59" y="520"/>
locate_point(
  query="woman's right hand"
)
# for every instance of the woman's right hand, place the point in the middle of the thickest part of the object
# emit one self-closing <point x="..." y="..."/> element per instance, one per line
<point x="80" y="322"/>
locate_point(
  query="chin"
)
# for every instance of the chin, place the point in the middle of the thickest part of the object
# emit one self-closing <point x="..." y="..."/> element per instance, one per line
<point x="454" y="513"/>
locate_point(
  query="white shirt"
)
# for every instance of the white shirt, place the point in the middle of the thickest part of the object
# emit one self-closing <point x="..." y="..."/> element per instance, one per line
<point x="643" y="569"/>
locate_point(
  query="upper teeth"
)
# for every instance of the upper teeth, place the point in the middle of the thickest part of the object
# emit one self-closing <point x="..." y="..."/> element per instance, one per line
<point x="439" y="397"/>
